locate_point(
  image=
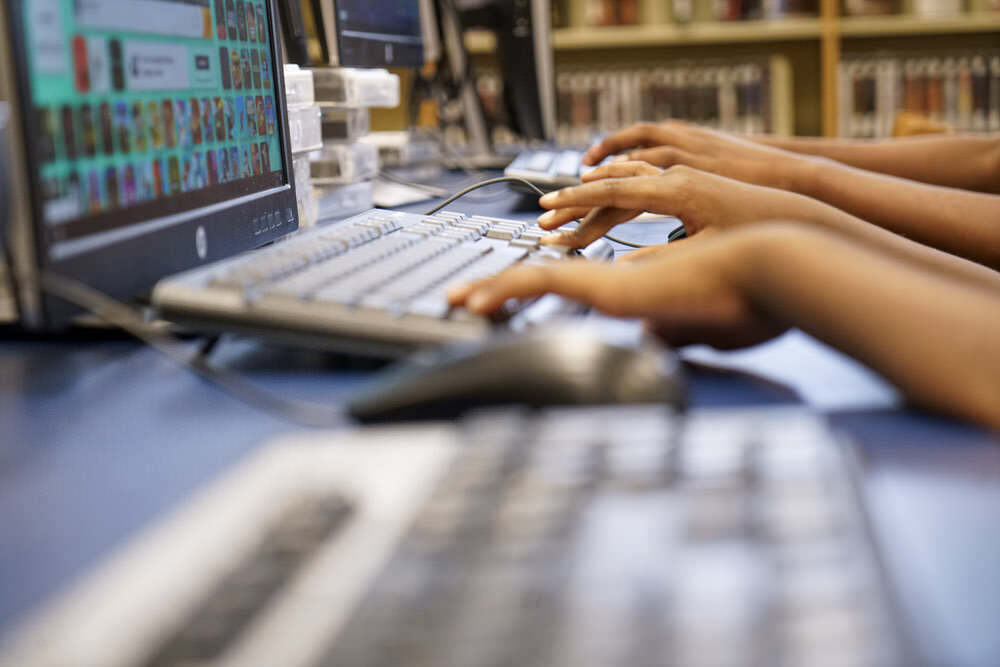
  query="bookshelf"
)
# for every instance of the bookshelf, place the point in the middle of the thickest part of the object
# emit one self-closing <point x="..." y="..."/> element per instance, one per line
<point x="812" y="45"/>
<point x="666" y="34"/>
<point x="902" y="24"/>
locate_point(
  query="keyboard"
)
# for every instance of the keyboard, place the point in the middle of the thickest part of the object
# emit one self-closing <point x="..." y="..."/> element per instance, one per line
<point x="548" y="169"/>
<point x="606" y="536"/>
<point x="374" y="283"/>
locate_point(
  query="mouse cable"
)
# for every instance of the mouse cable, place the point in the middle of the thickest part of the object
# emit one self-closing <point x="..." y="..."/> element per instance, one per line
<point x="432" y="190"/>
<point x="515" y="179"/>
<point x="302" y="413"/>
<point x="482" y="184"/>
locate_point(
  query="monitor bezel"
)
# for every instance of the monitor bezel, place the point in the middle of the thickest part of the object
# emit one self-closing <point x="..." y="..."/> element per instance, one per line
<point x="413" y="57"/>
<point x="129" y="267"/>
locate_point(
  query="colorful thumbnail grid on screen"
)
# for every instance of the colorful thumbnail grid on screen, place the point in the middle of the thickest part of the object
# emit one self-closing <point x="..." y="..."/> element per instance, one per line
<point x="140" y="100"/>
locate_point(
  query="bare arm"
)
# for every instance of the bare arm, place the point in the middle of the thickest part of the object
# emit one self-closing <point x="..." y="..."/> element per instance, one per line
<point x="970" y="163"/>
<point x="935" y="337"/>
<point x="708" y="202"/>
<point x="963" y="223"/>
<point x="956" y="221"/>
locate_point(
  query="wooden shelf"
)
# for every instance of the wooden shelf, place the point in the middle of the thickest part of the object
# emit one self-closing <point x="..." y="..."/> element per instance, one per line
<point x="878" y="26"/>
<point x="692" y="33"/>
<point x="828" y="32"/>
<point x="638" y="36"/>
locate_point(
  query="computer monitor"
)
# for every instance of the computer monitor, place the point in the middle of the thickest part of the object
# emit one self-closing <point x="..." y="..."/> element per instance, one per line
<point x="146" y="138"/>
<point x="373" y="33"/>
<point x="524" y="50"/>
<point x="523" y="32"/>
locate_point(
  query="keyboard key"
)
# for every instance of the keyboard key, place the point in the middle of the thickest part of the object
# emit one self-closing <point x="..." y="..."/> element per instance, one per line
<point x="461" y="235"/>
<point x="479" y="227"/>
<point x="431" y="306"/>
<point x="568" y="163"/>
<point x="510" y="224"/>
<point x="502" y="234"/>
<point x="540" y="161"/>
<point x="383" y="226"/>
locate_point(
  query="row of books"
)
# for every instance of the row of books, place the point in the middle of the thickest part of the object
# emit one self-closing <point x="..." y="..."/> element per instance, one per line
<point x="958" y="90"/>
<point x="735" y="97"/>
<point x="627" y="12"/>
<point x="730" y="97"/>
<point x="612" y="12"/>
<point x="917" y="7"/>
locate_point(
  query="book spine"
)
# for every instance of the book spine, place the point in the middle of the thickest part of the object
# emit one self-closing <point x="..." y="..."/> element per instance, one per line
<point x="964" y="123"/>
<point x="733" y="97"/>
<point x="980" y="93"/>
<point x="994" y="95"/>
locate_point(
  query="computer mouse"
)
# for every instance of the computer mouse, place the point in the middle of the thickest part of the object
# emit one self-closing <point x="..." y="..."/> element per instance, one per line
<point x="567" y="364"/>
<point x="677" y="234"/>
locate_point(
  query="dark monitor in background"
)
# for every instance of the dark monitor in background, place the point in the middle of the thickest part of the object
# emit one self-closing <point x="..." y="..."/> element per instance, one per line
<point x="523" y="33"/>
<point x="372" y="33"/>
<point x="145" y="139"/>
<point x="524" y="51"/>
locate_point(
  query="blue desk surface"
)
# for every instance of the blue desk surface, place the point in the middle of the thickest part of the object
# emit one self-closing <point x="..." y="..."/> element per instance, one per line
<point x="100" y="437"/>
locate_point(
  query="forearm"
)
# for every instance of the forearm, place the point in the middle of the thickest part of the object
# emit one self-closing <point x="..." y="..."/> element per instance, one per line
<point x="794" y="206"/>
<point x="956" y="221"/>
<point x="971" y="163"/>
<point x="935" y="337"/>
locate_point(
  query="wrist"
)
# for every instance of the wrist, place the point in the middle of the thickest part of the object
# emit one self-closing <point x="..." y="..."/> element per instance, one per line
<point x="761" y="255"/>
<point x="803" y="174"/>
<point x="749" y="249"/>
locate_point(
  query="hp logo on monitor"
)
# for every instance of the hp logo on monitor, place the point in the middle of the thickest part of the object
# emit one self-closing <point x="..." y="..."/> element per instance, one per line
<point x="201" y="242"/>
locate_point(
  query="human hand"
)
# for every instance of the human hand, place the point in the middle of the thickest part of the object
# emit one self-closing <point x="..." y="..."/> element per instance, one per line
<point x="677" y="143"/>
<point x="616" y="192"/>
<point x="594" y="221"/>
<point x="687" y="292"/>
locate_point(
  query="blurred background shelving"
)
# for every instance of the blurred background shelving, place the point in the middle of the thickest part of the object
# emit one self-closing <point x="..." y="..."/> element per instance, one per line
<point x="814" y="38"/>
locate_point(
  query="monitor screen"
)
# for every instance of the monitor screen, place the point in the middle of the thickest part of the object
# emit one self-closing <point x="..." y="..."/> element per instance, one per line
<point x="379" y="33"/>
<point x="144" y="109"/>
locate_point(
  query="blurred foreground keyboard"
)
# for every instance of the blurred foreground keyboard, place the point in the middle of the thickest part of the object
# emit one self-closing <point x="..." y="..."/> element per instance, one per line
<point x="611" y="536"/>
<point x="374" y="283"/>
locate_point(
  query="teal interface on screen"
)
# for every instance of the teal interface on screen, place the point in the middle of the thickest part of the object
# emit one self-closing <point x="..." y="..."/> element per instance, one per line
<point x="141" y="101"/>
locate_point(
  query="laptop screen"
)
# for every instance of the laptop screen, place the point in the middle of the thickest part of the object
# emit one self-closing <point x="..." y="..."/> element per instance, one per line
<point x="146" y="108"/>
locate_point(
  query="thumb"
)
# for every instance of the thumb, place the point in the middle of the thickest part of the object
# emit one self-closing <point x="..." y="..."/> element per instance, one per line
<point x="593" y="226"/>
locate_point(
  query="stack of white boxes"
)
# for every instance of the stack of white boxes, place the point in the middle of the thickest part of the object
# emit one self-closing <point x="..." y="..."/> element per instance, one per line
<point x="305" y="135"/>
<point x="337" y="178"/>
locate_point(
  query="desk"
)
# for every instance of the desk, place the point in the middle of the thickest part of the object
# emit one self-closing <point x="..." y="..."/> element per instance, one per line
<point x="101" y="437"/>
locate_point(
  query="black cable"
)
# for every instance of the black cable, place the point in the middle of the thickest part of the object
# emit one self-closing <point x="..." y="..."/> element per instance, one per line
<point x="12" y="282"/>
<point x="429" y="189"/>
<point x="627" y="243"/>
<point x="678" y="234"/>
<point x="483" y="184"/>
<point x="208" y="346"/>
<point x="515" y="179"/>
<point x="5" y="213"/>
<point x="120" y="315"/>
